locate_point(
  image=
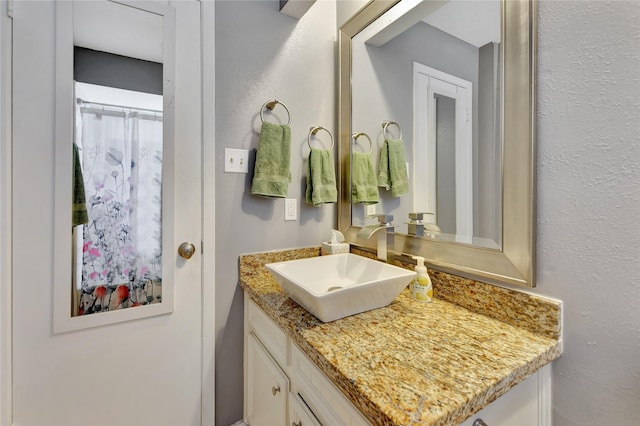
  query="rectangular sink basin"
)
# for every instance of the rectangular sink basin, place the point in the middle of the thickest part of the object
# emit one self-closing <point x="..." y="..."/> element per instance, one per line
<point x="335" y="286"/>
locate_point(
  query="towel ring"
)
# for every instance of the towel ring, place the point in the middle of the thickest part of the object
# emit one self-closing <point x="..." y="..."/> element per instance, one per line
<point x="314" y="130"/>
<point x="271" y="105"/>
<point x="356" y="135"/>
<point x="386" y="124"/>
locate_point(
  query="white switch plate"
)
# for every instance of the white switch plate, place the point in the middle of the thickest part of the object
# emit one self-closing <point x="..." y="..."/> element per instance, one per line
<point x="369" y="209"/>
<point x="236" y="160"/>
<point x="290" y="209"/>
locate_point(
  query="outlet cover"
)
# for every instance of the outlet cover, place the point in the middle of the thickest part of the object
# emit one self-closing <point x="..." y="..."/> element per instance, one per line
<point x="290" y="209"/>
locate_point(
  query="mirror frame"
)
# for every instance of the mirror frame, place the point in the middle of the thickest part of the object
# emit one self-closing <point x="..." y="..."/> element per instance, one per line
<point x="515" y="262"/>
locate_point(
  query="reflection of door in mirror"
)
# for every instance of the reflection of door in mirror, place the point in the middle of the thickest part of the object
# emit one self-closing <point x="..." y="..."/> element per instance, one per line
<point x="444" y="150"/>
<point x="117" y="252"/>
<point x="459" y="41"/>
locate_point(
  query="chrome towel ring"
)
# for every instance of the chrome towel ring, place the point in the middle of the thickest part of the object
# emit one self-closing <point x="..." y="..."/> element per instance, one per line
<point x="386" y="124"/>
<point x="271" y="105"/>
<point x="314" y="130"/>
<point x="356" y="135"/>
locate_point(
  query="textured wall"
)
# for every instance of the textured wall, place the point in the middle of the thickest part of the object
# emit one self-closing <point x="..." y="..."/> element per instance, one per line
<point x="262" y="54"/>
<point x="588" y="183"/>
<point x="589" y="203"/>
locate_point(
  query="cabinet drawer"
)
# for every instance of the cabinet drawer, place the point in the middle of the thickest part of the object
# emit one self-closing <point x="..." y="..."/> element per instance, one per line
<point x="299" y="413"/>
<point x="322" y="396"/>
<point x="269" y="334"/>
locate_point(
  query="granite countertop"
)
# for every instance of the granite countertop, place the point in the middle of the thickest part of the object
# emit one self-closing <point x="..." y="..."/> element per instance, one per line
<point x="410" y="362"/>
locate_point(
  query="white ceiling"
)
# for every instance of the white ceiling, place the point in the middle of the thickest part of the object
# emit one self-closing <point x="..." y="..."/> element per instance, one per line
<point x="476" y="22"/>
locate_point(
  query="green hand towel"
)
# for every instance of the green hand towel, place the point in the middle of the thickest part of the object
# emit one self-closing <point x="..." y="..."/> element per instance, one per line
<point x="364" y="187"/>
<point x="79" y="214"/>
<point x="392" y="170"/>
<point x="321" y="178"/>
<point x="271" y="174"/>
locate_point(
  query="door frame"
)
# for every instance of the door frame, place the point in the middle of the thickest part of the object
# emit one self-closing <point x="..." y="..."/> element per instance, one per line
<point x="208" y="203"/>
<point x="433" y="81"/>
<point x="207" y="20"/>
<point x="6" y="223"/>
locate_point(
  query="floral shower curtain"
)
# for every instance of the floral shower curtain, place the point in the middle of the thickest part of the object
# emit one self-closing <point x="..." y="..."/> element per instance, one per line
<point x="120" y="248"/>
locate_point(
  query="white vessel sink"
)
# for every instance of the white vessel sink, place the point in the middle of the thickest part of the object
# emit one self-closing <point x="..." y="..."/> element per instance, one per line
<point x="335" y="286"/>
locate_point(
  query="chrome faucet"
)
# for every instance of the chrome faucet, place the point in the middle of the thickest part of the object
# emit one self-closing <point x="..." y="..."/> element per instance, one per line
<point x="385" y="239"/>
<point x="418" y="228"/>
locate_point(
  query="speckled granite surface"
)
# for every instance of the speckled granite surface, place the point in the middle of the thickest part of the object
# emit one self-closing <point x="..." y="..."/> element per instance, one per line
<point x="413" y="363"/>
<point x="534" y="313"/>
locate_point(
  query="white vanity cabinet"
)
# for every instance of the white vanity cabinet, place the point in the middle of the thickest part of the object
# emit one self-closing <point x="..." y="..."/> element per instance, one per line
<point x="281" y="385"/>
<point x="267" y="397"/>
<point x="299" y="413"/>
<point x="526" y="404"/>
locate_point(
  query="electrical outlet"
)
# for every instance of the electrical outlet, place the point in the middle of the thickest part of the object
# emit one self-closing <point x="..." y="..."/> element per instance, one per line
<point x="290" y="209"/>
<point x="236" y="160"/>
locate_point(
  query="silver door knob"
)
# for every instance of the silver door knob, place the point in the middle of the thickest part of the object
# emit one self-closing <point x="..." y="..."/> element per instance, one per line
<point x="186" y="250"/>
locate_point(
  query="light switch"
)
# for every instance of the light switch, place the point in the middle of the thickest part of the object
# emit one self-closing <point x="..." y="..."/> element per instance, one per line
<point x="236" y="160"/>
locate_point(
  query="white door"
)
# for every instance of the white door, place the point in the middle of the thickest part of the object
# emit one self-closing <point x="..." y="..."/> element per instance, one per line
<point x="429" y="85"/>
<point x="133" y="371"/>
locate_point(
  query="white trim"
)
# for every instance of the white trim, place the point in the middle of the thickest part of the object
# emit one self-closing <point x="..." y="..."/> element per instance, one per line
<point x="6" y="222"/>
<point x="64" y="110"/>
<point x="544" y="396"/>
<point x="207" y="22"/>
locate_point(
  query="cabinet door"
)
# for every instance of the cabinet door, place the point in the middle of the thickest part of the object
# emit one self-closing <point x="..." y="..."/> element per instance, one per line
<point x="299" y="413"/>
<point x="518" y="407"/>
<point x="268" y="387"/>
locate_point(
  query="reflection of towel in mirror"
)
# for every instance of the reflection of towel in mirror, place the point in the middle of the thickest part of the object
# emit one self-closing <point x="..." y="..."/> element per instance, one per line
<point x="364" y="187"/>
<point x="271" y="175"/>
<point x="321" y="178"/>
<point x="79" y="208"/>
<point x="392" y="170"/>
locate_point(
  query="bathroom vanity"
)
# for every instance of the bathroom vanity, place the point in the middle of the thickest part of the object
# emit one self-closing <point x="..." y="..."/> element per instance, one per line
<point x="406" y="363"/>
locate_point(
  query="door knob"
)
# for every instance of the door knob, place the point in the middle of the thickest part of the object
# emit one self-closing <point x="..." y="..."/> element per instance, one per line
<point x="186" y="250"/>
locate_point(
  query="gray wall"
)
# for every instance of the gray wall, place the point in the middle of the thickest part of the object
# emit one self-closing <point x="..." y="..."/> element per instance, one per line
<point x="588" y="188"/>
<point x="589" y="203"/>
<point x="122" y="72"/>
<point x="446" y="163"/>
<point x="262" y="54"/>
<point x="487" y="217"/>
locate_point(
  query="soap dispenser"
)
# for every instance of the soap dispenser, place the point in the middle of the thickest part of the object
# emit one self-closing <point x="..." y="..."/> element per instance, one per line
<point x="421" y="288"/>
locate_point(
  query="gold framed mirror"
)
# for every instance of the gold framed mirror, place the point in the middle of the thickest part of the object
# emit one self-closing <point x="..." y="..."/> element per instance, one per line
<point x="512" y="261"/>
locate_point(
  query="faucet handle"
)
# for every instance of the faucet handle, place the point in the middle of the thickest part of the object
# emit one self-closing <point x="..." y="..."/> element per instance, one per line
<point x="383" y="219"/>
<point x="418" y="215"/>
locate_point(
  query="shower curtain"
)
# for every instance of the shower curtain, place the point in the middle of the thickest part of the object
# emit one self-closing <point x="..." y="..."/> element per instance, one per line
<point x="118" y="252"/>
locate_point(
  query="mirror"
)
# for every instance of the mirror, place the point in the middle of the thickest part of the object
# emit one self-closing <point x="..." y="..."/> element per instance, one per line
<point x="118" y="149"/>
<point x="463" y="96"/>
<point x="114" y="145"/>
